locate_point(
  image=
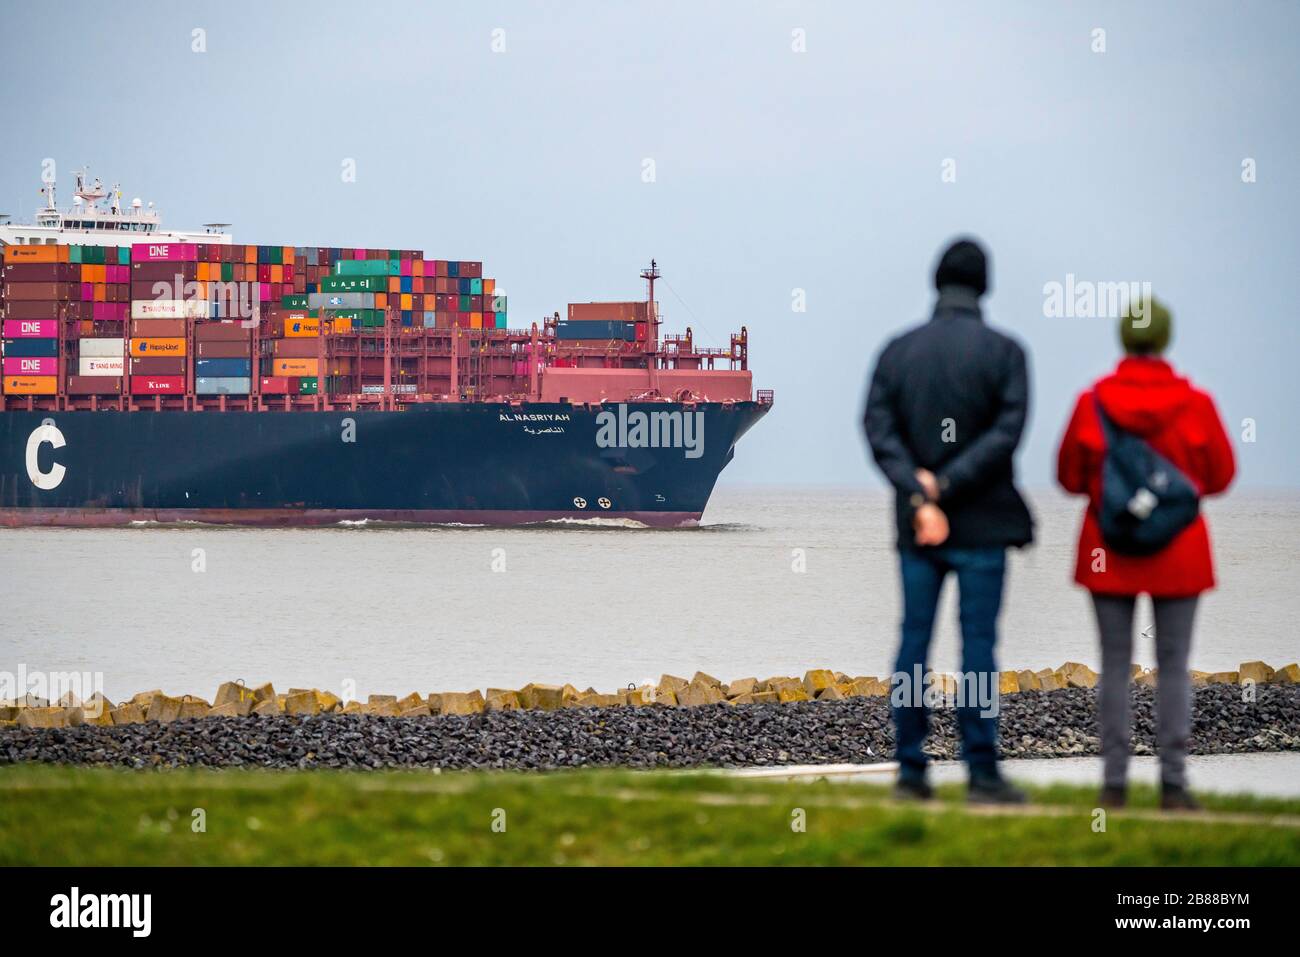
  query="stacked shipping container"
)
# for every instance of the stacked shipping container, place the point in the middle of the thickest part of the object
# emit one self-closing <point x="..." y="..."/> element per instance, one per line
<point x="132" y="316"/>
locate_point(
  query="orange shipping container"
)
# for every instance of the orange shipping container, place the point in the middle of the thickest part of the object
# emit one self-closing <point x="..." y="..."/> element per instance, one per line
<point x="157" y="347"/>
<point x="476" y="320"/>
<point x="342" y="324"/>
<point x="36" y="254"/>
<point x="297" y="325"/>
<point x="489" y="286"/>
<point x="290" y="367"/>
<point x="406" y="301"/>
<point x="31" y="384"/>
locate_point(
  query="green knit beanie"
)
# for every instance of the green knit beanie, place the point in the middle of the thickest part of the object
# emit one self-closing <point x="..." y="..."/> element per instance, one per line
<point x="1146" y="327"/>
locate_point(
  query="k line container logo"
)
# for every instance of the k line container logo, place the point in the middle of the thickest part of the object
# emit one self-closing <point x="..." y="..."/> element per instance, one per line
<point x="678" y="429"/>
<point x="74" y="909"/>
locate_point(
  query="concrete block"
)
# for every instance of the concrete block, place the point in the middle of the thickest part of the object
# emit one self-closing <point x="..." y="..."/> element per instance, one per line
<point x="830" y="693"/>
<point x="264" y="692"/>
<point x="97" y="708"/>
<point x="599" y="701"/>
<point x="1028" y="681"/>
<point x="1288" y="674"/>
<point x="376" y="698"/>
<point x="68" y="699"/>
<point x="194" y="708"/>
<point x="412" y="700"/>
<point x="229" y="709"/>
<point x="420" y="710"/>
<point x="542" y="697"/>
<point x="946" y="683"/>
<point x="234" y="692"/>
<point x="1256" y="671"/>
<point x="329" y="702"/>
<point x="1076" y="675"/>
<point x="460" y="702"/>
<point x="129" y="712"/>
<point x="1135" y="669"/>
<point x="1199" y="678"/>
<point x="666" y="698"/>
<point x="1008" y="683"/>
<point x="270" y="706"/>
<point x="569" y="693"/>
<point x="791" y="692"/>
<point x="501" y="700"/>
<point x="704" y="678"/>
<point x="698" y="693"/>
<point x="765" y="697"/>
<point x="639" y="697"/>
<point x="356" y="707"/>
<point x="817" y="679"/>
<point x="741" y="686"/>
<point x="385" y="709"/>
<point x="1147" y="679"/>
<point x="43" y="718"/>
<point x="164" y="709"/>
<point x="1050" y="682"/>
<point x="671" y="683"/>
<point x="301" y="702"/>
<point x="1224" y="678"/>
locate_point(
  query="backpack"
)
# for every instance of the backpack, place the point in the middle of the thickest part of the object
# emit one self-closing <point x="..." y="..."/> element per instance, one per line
<point x="1146" y="500"/>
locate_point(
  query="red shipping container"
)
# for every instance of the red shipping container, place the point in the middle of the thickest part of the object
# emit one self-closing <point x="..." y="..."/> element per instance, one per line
<point x="42" y="272"/>
<point x="276" y="385"/>
<point x="37" y="309"/>
<point x="164" y="366"/>
<point x="157" y="384"/>
<point x="222" y="332"/>
<point x="29" y="291"/>
<point x="94" y="385"/>
<point x="221" y="349"/>
<point x="303" y="348"/>
<point x="157" y="328"/>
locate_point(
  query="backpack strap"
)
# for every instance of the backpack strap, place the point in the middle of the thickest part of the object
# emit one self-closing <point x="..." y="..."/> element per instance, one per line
<point x="1108" y="427"/>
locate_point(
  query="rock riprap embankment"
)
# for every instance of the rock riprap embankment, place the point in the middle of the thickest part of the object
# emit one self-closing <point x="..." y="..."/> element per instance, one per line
<point x="1045" y="724"/>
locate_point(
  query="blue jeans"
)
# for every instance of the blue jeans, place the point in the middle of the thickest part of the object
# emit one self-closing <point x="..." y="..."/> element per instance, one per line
<point x="980" y="572"/>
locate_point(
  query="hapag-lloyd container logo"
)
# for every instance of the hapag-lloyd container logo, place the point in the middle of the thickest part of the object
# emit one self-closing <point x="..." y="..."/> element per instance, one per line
<point x="677" y="429"/>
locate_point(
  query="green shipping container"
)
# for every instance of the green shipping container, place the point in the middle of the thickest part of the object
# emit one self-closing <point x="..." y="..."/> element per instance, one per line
<point x="354" y="284"/>
<point x="361" y="267"/>
<point x="296" y="301"/>
<point x="476" y="287"/>
<point x="227" y="272"/>
<point x="74" y="254"/>
<point x="307" y="385"/>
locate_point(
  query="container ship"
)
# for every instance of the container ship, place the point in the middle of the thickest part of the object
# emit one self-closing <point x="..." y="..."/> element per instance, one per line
<point x="168" y="376"/>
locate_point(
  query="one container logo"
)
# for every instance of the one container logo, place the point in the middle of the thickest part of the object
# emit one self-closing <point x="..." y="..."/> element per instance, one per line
<point x="678" y="429"/>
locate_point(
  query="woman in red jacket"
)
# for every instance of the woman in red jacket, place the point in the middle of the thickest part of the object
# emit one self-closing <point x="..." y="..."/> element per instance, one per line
<point x="1145" y="397"/>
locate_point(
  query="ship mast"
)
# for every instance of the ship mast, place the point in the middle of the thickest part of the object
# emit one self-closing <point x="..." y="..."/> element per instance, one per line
<point x="650" y="274"/>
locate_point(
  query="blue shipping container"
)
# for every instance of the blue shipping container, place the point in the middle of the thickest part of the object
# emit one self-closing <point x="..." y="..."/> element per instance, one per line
<point x="222" y="368"/>
<point x="233" y="385"/>
<point x="593" y="329"/>
<point x="31" y="348"/>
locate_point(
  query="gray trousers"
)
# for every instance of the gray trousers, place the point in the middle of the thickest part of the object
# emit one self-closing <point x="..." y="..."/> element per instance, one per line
<point x="1174" y="618"/>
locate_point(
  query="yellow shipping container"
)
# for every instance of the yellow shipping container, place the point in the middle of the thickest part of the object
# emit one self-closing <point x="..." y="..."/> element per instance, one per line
<point x="407" y="301"/>
<point x="157" y="347"/>
<point x="293" y="367"/>
<point x="31" y="384"/>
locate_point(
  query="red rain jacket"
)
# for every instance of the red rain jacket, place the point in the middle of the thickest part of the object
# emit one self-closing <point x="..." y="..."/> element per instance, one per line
<point x="1144" y="396"/>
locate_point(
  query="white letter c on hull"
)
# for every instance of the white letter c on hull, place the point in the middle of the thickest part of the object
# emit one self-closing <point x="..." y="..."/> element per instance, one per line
<point x="47" y="432"/>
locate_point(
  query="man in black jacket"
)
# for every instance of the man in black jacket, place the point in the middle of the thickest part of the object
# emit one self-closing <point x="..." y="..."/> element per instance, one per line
<point x="944" y="415"/>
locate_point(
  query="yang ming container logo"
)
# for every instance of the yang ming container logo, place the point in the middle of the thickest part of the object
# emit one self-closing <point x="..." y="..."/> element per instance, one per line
<point x="678" y="429"/>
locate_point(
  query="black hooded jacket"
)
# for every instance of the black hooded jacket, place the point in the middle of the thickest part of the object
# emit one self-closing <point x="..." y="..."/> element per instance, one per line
<point x="951" y="396"/>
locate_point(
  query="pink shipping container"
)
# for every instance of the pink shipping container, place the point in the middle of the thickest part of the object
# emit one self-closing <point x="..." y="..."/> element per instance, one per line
<point x="164" y="252"/>
<point x="31" y="365"/>
<point x="31" y="329"/>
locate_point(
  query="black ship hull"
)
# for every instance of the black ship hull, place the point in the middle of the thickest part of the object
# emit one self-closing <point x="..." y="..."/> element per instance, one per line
<point x="472" y="463"/>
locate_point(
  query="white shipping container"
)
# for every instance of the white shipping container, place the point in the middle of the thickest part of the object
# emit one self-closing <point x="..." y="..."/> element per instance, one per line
<point x="97" y="365"/>
<point x="103" y="348"/>
<point x="170" y="309"/>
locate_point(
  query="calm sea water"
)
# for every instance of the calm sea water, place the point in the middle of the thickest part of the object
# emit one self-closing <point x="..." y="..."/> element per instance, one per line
<point x="422" y="609"/>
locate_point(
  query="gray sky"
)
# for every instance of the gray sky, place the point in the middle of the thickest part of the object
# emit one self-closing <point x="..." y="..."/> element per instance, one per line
<point x="775" y="170"/>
